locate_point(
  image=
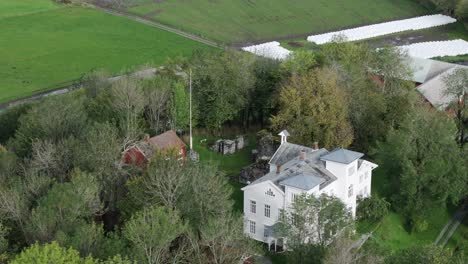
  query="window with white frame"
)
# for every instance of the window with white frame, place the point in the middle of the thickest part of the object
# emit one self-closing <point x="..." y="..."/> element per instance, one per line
<point x="267" y="210"/>
<point x="253" y="207"/>
<point x="350" y="190"/>
<point x="294" y="197"/>
<point x="360" y="178"/>
<point x="252" y="227"/>
<point x="265" y="232"/>
<point x="351" y="170"/>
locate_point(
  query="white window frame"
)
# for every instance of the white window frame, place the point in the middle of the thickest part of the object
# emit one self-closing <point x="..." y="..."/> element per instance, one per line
<point x="265" y="234"/>
<point x="350" y="190"/>
<point x="267" y="211"/>
<point x="351" y="170"/>
<point x="252" y="227"/>
<point x="253" y="206"/>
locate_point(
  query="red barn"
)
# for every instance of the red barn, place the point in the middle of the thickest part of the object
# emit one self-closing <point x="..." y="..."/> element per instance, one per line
<point x="142" y="153"/>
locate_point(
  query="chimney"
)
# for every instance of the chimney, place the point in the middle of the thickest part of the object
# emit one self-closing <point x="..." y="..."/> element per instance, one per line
<point x="278" y="169"/>
<point x="302" y="154"/>
<point x="316" y="145"/>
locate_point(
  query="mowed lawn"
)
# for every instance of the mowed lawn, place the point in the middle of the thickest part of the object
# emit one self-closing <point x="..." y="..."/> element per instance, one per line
<point x="45" y="46"/>
<point x="234" y="21"/>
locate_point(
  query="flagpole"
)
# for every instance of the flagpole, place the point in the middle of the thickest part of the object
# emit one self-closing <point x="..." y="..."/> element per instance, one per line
<point x="190" y="92"/>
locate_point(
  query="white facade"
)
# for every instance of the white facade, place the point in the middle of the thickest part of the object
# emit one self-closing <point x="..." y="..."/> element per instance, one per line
<point x="266" y="197"/>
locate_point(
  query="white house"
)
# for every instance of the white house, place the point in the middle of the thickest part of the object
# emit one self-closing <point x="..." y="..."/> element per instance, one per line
<point x="296" y="170"/>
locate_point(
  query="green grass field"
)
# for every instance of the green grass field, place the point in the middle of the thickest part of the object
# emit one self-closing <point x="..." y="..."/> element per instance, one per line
<point x="45" y="46"/>
<point x="253" y="20"/>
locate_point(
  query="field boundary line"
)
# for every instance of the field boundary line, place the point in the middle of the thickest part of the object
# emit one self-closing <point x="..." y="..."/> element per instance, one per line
<point x="159" y="26"/>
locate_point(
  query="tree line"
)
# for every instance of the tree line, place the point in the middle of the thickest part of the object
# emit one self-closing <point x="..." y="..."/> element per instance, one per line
<point x="64" y="189"/>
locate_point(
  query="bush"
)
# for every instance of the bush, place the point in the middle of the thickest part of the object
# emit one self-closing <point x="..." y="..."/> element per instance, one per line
<point x="372" y="208"/>
<point x="461" y="11"/>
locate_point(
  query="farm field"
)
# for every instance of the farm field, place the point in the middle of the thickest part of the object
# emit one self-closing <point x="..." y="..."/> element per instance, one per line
<point x="46" y="46"/>
<point x="259" y="20"/>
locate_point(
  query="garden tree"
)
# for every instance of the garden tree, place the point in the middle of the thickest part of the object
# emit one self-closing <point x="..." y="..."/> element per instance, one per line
<point x="4" y="231"/>
<point x="457" y="88"/>
<point x="64" y="208"/>
<point x="53" y="253"/>
<point x="261" y="99"/>
<point x="224" y="240"/>
<point x="372" y="208"/>
<point x="101" y="154"/>
<point x="165" y="181"/>
<point x="310" y="224"/>
<point x="180" y="111"/>
<point x="199" y="191"/>
<point x="300" y="62"/>
<point x="53" y="119"/>
<point x="374" y="106"/>
<point x="422" y="254"/>
<point x="343" y="251"/>
<point x="128" y="101"/>
<point x="95" y="82"/>
<point x="158" y="96"/>
<point x="49" y="253"/>
<point x="9" y="121"/>
<point x="461" y="11"/>
<point x="427" y="166"/>
<point x="313" y="108"/>
<point x="152" y="233"/>
<point x="7" y="164"/>
<point x="446" y="6"/>
<point x="222" y="82"/>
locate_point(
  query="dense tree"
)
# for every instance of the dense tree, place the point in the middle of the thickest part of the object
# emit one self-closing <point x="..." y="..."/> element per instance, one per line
<point x="374" y="83"/>
<point x="327" y="216"/>
<point x="300" y="62"/>
<point x="457" y="88"/>
<point x="53" y="119"/>
<point x="222" y="82"/>
<point x="53" y="253"/>
<point x="65" y="207"/>
<point x="372" y="208"/>
<point x="313" y="108"/>
<point x="426" y="165"/>
<point x="158" y="97"/>
<point x="461" y="10"/>
<point x="101" y="154"/>
<point x="9" y="121"/>
<point x="180" y="115"/>
<point x="128" y="101"/>
<point x="152" y="232"/>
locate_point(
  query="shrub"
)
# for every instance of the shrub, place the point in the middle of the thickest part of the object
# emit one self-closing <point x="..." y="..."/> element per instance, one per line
<point x="372" y="208"/>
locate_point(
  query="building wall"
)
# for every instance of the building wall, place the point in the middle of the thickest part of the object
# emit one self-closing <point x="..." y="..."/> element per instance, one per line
<point x="339" y="188"/>
<point x="263" y="194"/>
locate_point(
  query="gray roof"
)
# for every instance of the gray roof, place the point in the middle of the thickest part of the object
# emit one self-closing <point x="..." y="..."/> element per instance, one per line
<point x="311" y="166"/>
<point x="434" y="90"/>
<point x="426" y="69"/>
<point x="286" y="152"/>
<point x="304" y="181"/>
<point x="341" y="155"/>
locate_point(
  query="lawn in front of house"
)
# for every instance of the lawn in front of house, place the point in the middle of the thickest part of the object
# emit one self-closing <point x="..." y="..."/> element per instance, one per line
<point x="45" y="46"/>
<point x="231" y="165"/>
<point x="257" y="20"/>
